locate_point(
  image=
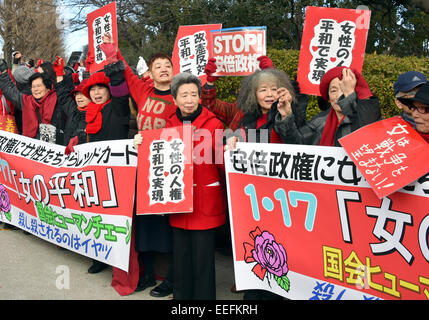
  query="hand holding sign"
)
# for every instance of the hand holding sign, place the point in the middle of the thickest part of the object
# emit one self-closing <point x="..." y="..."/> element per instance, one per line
<point x="109" y="49"/>
<point x="265" y="63"/>
<point x="209" y="70"/>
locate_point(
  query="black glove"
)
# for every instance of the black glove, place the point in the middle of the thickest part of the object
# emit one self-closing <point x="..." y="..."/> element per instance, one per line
<point x="3" y="65"/>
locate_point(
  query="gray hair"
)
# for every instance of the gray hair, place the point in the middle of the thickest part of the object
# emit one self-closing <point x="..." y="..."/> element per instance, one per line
<point x="246" y="99"/>
<point x="184" y="78"/>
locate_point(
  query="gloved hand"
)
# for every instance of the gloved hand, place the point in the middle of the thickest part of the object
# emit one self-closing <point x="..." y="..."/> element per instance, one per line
<point x="70" y="147"/>
<point x="59" y="66"/>
<point x="90" y="60"/>
<point x="75" y="77"/>
<point x="141" y="66"/>
<point x="138" y="139"/>
<point x="109" y="49"/>
<point x="265" y="62"/>
<point x="210" y="69"/>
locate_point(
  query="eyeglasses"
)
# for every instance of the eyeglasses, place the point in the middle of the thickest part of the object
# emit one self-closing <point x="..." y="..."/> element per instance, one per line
<point x="410" y="104"/>
<point x="420" y="109"/>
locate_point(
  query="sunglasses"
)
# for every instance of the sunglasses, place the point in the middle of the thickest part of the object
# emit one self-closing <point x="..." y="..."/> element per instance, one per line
<point x="409" y="103"/>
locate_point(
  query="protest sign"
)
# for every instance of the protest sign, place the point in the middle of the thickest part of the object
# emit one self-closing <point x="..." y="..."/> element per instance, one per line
<point x="100" y="22"/>
<point x="74" y="58"/>
<point x="165" y="171"/>
<point x="306" y="225"/>
<point x="75" y="201"/>
<point x="236" y="50"/>
<point x="331" y="37"/>
<point x="192" y="49"/>
<point x="389" y="153"/>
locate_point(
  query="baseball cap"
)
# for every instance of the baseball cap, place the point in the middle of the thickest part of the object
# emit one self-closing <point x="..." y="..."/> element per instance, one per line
<point x="422" y="95"/>
<point x="408" y="81"/>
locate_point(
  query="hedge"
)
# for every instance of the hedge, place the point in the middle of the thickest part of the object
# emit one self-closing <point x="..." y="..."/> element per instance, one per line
<point x="380" y="71"/>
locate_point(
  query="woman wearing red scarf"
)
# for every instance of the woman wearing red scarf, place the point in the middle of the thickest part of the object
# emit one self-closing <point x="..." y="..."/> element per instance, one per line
<point x="419" y="106"/>
<point x="352" y="106"/>
<point x="108" y="113"/>
<point x="42" y="115"/>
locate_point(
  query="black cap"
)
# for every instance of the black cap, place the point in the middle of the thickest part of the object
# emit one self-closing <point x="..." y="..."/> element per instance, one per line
<point x="423" y="94"/>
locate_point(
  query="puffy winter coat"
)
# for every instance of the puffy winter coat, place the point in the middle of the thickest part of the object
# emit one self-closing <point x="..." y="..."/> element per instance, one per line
<point x="209" y="189"/>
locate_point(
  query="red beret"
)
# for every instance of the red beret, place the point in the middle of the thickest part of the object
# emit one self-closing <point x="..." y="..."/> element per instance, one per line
<point x="96" y="78"/>
<point x="362" y="88"/>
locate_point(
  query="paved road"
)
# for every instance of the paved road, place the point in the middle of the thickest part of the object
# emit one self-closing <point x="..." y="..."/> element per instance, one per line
<point x="31" y="268"/>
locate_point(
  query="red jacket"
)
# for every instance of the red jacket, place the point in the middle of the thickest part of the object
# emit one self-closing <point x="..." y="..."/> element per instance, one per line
<point x="209" y="189"/>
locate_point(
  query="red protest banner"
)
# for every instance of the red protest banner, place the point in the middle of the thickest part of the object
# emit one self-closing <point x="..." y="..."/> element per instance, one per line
<point x="75" y="201"/>
<point x="331" y="37"/>
<point x="305" y="225"/>
<point x="165" y="171"/>
<point x="236" y="50"/>
<point x="100" y="22"/>
<point x="192" y="49"/>
<point x="389" y="153"/>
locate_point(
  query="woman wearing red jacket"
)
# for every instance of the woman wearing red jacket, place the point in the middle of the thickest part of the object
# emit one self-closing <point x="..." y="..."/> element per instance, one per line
<point x="194" y="233"/>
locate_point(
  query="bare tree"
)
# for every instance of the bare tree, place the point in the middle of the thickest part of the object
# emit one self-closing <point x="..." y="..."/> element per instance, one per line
<point x="31" y="28"/>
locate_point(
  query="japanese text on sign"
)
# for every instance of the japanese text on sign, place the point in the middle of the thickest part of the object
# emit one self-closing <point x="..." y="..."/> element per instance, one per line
<point x="236" y="50"/>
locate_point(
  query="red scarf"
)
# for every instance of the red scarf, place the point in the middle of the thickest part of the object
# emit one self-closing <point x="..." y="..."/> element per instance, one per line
<point x="331" y="125"/>
<point x="46" y="106"/>
<point x="94" y="118"/>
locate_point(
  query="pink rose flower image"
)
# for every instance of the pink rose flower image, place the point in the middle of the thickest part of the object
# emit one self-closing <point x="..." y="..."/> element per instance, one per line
<point x="270" y="257"/>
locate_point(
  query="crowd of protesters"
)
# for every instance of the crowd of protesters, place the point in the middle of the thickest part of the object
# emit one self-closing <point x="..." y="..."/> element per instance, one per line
<point x="69" y="106"/>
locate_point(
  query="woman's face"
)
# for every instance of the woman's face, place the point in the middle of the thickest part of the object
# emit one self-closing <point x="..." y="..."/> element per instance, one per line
<point x="81" y="100"/>
<point x="187" y="99"/>
<point x="38" y="88"/>
<point x="266" y="95"/>
<point x="335" y="93"/>
<point x="99" y="94"/>
<point x="421" y="119"/>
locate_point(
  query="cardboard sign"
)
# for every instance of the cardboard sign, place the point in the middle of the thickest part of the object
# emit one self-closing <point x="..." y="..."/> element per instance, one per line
<point x="192" y="49"/>
<point x="389" y="153"/>
<point x="76" y="201"/>
<point x="331" y="37"/>
<point x="306" y="225"/>
<point x="165" y="171"/>
<point x="236" y="50"/>
<point x="100" y="22"/>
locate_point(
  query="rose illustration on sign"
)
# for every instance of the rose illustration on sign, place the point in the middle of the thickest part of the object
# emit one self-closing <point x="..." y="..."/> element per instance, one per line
<point x="270" y="257"/>
<point x="5" y="202"/>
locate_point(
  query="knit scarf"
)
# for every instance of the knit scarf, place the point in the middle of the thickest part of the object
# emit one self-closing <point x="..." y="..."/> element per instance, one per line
<point x="331" y="125"/>
<point x="30" y="120"/>
<point x="94" y="118"/>
<point x="191" y="117"/>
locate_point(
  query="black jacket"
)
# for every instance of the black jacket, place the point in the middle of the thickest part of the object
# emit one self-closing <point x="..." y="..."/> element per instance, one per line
<point x="116" y="114"/>
<point x="75" y="122"/>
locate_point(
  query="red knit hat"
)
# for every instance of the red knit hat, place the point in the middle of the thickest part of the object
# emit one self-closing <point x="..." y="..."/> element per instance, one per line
<point x="362" y="88"/>
<point x="96" y="78"/>
<point x="79" y="88"/>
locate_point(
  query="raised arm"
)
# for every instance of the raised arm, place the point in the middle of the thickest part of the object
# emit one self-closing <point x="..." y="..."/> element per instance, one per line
<point x="10" y="91"/>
